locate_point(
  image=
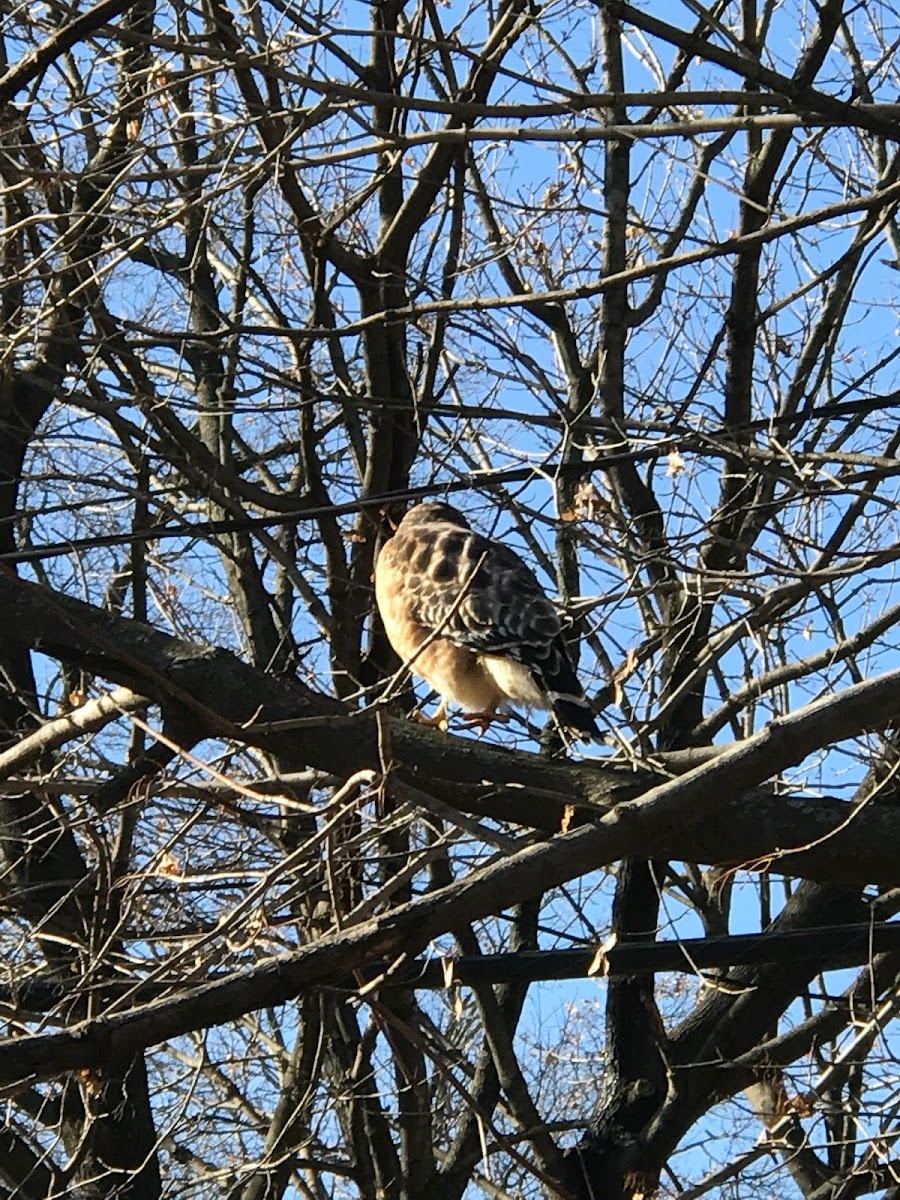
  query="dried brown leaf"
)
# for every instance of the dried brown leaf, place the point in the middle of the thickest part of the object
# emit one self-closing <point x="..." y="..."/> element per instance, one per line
<point x="600" y="962"/>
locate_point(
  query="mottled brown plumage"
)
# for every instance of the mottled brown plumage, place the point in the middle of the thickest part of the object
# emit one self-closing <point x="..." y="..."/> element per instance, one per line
<point x="469" y="617"/>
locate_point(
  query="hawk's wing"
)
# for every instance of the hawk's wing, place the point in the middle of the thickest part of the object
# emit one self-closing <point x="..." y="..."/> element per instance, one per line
<point x="480" y="595"/>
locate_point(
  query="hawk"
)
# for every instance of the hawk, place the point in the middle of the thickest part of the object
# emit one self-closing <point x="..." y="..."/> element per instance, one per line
<point x="468" y="616"/>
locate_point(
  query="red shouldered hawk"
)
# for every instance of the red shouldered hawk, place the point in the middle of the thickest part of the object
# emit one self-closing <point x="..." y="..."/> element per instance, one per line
<point x="471" y="619"/>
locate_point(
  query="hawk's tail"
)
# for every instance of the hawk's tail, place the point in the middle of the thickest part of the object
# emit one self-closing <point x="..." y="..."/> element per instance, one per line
<point x="565" y="695"/>
<point x="574" y="714"/>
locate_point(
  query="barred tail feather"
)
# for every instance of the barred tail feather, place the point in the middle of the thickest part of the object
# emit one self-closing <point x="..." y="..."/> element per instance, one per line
<point x="574" y="715"/>
<point x="565" y="695"/>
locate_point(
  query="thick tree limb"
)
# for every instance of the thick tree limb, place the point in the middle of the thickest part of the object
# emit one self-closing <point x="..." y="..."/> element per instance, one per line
<point x="830" y="947"/>
<point x="811" y="837"/>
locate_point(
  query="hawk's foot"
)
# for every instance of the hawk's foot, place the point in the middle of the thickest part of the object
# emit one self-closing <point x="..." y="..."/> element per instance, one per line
<point x="482" y="721"/>
<point x="438" y="721"/>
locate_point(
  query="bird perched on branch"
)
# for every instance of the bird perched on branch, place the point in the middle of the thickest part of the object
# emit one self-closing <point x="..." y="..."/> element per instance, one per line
<point x="468" y="616"/>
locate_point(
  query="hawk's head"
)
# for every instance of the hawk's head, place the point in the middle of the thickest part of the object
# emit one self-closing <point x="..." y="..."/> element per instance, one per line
<point x="433" y="512"/>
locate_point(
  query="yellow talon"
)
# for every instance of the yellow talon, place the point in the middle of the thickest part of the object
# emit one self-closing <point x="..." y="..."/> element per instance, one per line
<point x="438" y="721"/>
